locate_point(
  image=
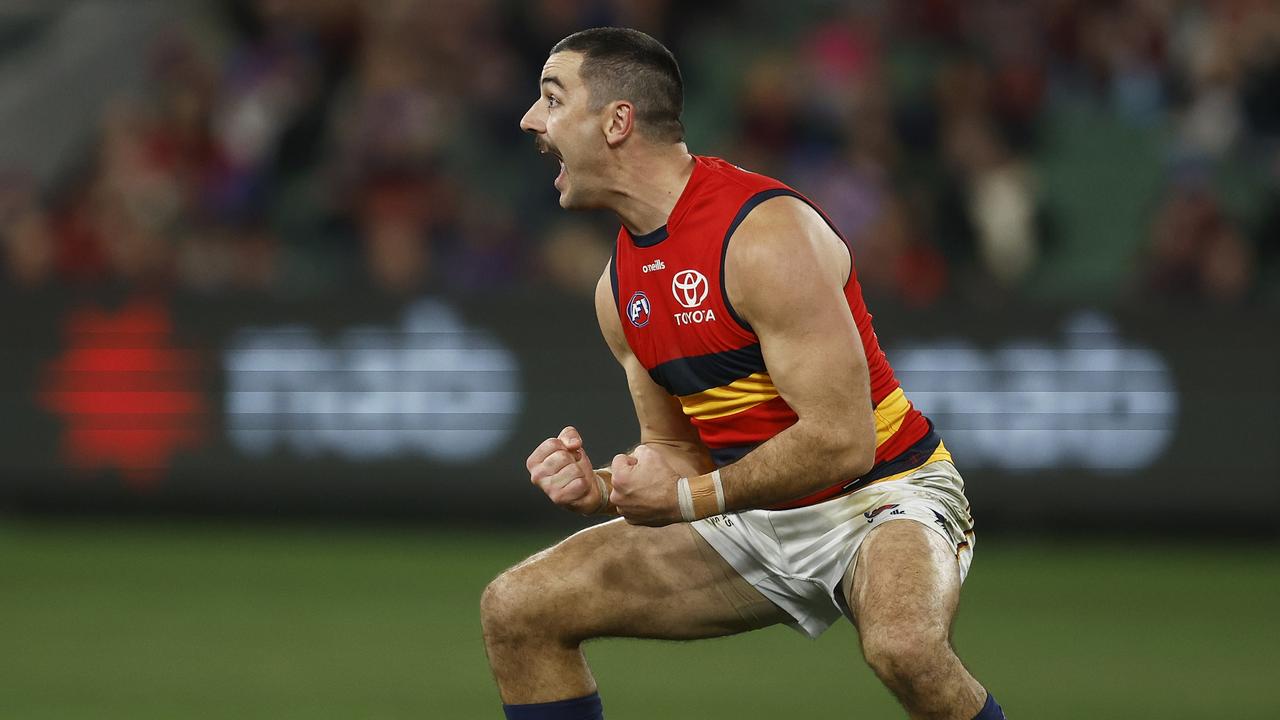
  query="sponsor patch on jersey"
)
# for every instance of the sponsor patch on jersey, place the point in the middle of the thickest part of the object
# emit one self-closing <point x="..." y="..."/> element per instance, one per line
<point x="694" y="317"/>
<point x="638" y="309"/>
<point x="654" y="266"/>
<point x="690" y="288"/>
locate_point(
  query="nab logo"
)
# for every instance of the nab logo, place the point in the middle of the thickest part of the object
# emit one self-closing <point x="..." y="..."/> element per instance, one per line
<point x="129" y="393"/>
<point x="689" y="287"/>
<point x="638" y="310"/>
<point x="654" y="266"/>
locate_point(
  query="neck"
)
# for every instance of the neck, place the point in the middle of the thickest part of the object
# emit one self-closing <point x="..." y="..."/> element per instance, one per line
<point x="647" y="186"/>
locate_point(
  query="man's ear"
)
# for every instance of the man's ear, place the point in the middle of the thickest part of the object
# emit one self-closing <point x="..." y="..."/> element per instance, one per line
<point x="619" y="123"/>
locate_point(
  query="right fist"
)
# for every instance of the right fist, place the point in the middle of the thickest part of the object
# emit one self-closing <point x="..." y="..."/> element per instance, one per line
<point x="562" y="469"/>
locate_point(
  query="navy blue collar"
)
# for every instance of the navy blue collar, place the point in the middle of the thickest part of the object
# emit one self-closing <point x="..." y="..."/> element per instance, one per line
<point x="649" y="239"/>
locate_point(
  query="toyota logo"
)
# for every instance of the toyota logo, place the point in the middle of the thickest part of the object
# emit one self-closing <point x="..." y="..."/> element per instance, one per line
<point x="689" y="287"/>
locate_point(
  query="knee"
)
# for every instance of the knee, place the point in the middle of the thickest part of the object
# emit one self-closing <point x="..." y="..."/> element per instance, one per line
<point x="503" y="610"/>
<point x="904" y="657"/>
<point x="517" y="608"/>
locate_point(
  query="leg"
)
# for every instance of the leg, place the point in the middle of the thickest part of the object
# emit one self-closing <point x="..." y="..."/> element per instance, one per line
<point x="903" y="594"/>
<point x="611" y="580"/>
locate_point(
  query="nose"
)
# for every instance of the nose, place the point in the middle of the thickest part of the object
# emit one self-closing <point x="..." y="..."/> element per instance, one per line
<point x="532" y="120"/>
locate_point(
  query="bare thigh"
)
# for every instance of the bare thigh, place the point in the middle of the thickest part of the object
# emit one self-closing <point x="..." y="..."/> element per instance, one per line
<point x="905" y="576"/>
<point x="903" y="595"/>
<point x="620" y="580"/>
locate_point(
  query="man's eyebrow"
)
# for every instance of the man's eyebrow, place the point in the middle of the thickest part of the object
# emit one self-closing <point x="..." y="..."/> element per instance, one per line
<point x="553" y="80"/>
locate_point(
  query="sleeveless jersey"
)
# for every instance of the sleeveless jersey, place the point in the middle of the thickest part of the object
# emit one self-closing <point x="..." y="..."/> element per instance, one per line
<point x="669" y="291"/>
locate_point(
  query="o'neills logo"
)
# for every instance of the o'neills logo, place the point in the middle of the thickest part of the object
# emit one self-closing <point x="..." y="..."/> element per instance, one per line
<point x="654" y="266"/>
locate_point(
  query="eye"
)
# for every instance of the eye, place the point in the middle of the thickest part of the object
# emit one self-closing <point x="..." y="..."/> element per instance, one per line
<point x="552" y="101"/>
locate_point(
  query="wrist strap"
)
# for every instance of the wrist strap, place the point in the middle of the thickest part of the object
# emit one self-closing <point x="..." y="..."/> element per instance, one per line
<point x="604" y="482"/>
<point x="701" y="496"/>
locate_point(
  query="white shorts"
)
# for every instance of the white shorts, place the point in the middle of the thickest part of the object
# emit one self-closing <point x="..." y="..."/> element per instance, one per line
<point x="798" y="558"/>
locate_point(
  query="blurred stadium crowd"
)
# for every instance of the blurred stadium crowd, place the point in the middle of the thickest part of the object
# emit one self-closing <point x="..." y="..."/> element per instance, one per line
<point x="971" y="150"/>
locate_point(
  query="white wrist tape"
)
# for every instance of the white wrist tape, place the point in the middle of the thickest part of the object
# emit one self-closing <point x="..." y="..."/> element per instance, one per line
<point x="604" y="492"/>
<point x="685" y="499"/>
<point x="605" y="488"/>
<point x="715" y="478"/>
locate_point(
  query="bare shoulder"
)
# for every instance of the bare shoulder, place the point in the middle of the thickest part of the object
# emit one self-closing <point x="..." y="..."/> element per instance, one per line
<point x="604" y="290"/>
<point x="784" y="244"/>
<point x="607" y="313"/>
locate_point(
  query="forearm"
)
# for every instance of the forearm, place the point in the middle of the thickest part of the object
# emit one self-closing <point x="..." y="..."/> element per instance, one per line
<point x="685" y="457"/>
<point x="803" y="459"/>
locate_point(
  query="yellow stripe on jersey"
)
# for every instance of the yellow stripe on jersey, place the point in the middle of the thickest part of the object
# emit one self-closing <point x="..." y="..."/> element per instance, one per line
<point x="939" y="453"/>
<point x="890" y="413"/>
<point x="738" y="396"/>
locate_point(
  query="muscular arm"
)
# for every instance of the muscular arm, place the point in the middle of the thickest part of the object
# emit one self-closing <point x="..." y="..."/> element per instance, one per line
<point x="784" y="274"/>
<point x="561" y="468"/>
<point x="663" y="425"/>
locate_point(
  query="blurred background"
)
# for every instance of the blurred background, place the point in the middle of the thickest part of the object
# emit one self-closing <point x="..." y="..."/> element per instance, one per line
<point x="288" y="298"/>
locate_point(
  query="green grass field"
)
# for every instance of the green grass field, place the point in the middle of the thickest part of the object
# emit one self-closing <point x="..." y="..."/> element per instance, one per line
<point x="146" y="620"/>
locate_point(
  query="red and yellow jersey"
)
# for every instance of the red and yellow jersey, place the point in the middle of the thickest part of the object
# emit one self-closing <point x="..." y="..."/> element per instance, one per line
<point x="679" y="322"/>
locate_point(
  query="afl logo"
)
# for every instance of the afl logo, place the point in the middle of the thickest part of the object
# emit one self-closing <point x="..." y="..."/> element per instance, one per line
<point x="689" y="287"/>
<point x="638" y="310"/>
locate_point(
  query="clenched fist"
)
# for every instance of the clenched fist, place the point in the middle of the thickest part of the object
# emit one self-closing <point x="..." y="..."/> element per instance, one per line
<point x="562" y="469"/>
<point x="644" y="488"/>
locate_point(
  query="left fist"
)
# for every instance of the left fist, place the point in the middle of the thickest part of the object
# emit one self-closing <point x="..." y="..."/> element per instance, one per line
<point x="644" y="488"/>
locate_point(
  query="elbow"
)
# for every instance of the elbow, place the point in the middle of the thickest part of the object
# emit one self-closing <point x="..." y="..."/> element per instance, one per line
<point x="851" y="447"/>
<point x="859" y="461"/>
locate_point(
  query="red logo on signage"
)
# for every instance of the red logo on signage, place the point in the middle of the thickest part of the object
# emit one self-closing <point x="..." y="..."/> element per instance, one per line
<point x="129" y="399"/>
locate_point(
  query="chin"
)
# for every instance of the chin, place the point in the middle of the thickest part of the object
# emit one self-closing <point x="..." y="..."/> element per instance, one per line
<point x="569" y="202"/>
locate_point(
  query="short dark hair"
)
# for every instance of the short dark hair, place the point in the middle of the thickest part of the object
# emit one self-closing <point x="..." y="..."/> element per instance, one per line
<point x="625" y="64"/>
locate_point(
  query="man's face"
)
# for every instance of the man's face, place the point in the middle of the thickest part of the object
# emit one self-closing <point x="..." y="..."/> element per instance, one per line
<point x="564" y="125"/>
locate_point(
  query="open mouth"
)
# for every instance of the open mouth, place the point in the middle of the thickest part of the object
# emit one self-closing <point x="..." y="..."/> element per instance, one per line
<point x="548" y="150"/>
